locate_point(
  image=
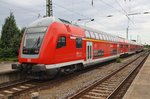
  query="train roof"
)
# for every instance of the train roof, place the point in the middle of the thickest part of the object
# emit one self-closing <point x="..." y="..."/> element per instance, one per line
<point x="46" y="21"/>
<point x="97" y="31"/>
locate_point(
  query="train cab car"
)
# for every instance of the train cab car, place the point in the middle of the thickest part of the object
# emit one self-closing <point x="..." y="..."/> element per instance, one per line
<point x="51" y="45"/>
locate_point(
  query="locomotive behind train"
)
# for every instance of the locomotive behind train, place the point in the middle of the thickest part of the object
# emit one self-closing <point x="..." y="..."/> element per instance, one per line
<point x="51" y="45"/>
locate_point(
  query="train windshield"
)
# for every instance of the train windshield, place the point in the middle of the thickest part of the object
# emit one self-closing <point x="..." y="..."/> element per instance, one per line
<point x="33" y="40"/>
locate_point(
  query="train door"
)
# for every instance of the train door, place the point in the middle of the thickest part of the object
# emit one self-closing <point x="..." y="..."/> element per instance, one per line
<point x="89" y="51"/>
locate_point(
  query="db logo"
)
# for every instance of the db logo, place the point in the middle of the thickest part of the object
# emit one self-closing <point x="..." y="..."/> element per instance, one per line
<point x="29" y="60"/>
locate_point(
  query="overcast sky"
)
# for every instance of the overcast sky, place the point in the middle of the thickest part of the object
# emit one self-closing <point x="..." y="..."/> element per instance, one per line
<point x="26" y="11"/>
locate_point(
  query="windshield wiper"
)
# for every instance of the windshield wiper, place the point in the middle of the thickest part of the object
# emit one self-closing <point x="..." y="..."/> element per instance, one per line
<point x="37" y="42"/>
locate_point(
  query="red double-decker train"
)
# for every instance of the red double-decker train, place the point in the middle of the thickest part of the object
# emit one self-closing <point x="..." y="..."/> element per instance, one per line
<point x="50" y="45"/>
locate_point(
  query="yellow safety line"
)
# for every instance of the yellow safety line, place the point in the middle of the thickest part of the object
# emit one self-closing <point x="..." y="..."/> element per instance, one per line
<point x="97" y="40"/>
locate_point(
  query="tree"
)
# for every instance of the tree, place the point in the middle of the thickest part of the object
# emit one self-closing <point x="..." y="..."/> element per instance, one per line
<point x="23" y="30"/>
<point x="0" y="43"/>
<point x="9" y="29"/>
<point x="11" y="37"/>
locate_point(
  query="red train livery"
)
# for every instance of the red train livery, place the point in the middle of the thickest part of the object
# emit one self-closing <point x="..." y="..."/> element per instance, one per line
<point x="50" y="45"/>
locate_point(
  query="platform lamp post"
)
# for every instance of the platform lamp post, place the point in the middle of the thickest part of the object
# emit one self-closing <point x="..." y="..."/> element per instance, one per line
<point x="131" y="14"/>
<point x="127" y="30"/>
<point x="88" y="20"/>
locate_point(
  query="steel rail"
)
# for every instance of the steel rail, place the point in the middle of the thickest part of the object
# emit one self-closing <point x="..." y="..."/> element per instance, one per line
<point x="114" y="93"/>
<point x="98" y="82"/>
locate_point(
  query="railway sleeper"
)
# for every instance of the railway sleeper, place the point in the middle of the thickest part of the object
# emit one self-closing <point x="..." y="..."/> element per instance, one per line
<point x="87" y="96"/>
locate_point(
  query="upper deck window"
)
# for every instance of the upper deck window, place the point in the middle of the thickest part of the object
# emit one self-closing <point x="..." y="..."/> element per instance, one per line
<point x="105" y="37"/>
<point x="101" y="36"/>
<point x="111" y="38"/>
<point x="87" y="34"/>
<point x="92" y="35"/>
<point x="97" y="36"/>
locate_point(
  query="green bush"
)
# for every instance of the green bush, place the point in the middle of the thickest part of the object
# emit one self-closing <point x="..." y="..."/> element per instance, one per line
<point x="9" y="59"/>
<point x="6" y="53"/>
<point x="118" y="60"/>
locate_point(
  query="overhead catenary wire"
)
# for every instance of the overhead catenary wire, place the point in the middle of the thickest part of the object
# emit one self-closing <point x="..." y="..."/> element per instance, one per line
<point x="125" y="12"/>
<point x="120" y="11"/>
<point x="35" y="12"/>
<point x="75" y="12"/>
<point x="19" y="7"/>
<point x="71" y="10"/>
<point x="109" y="5"/>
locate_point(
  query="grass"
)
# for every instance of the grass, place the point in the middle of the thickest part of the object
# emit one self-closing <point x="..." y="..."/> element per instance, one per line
<point x="118" y="60"/>
<point x="12" y="59"/>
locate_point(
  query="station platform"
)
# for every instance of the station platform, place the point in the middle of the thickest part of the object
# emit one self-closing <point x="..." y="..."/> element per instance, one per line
<point x="5" y="67"/>
<point x="140" y="87"/>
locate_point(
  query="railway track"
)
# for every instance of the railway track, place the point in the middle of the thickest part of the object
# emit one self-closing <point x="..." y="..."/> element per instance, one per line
<point x="8" y="90"/>
<point x="11" y="90"/>
<point x="109" y="86"/>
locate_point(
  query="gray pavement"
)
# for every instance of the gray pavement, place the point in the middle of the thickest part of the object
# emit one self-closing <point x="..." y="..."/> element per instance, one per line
<point x="5" y="66"/>
<point x="140" y="87"/>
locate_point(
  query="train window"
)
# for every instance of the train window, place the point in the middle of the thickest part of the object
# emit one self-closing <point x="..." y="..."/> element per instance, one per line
<point x="121" y="45"/>
<point x="104" y="38"/>
<point x="87" y="34"/>
<point x="96" y="34"/>
<point x="92" y="35"/>
<point x="100" y="37"/>
<point x="61" y="42"/>
<point x="116" y="39"/>
<point x="36" y="30"/>
<point x="107" y="37"/>
<point x="78" y="42"/>
<point x="113" y="39"/>
<point x="110" y="38"/>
